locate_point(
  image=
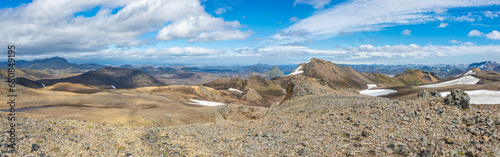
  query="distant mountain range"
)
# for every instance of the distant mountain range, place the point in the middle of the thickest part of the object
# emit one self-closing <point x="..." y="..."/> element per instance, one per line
<point x="54" y="63"/>
<point x="487" y="65"/>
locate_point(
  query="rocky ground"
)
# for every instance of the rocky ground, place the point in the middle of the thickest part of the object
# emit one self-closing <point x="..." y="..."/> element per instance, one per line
<point x="313" y="121"/>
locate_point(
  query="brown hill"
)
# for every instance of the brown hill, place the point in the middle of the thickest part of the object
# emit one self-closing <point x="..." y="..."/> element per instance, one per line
<point x="108" y="76"/>
<point x="27" y="73"/>
<point x="410" y="77"/>
<point x="340" y="76"/>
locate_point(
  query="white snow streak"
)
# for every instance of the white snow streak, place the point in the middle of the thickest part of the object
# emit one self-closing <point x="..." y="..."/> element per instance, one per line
<point x="232" y="89"/>
<point x="370" y="86"/>
<point x="377" y="92"/>
<point x="297" y="71"/>
<point x="205" y="103"/>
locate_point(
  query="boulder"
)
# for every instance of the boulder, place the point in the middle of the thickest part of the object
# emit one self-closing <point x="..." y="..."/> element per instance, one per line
<point x="436" y="94"/>
<point x="458" y="98"/>
<point x="423" y="94"/>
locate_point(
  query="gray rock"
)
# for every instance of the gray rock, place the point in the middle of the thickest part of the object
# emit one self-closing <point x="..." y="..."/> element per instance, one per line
<point x="458" y="98"/>
<point x="436" y="94"/>
<point x="425" y="153"/>
<point x="423" y="94"/>
<point x="34" y="147"/>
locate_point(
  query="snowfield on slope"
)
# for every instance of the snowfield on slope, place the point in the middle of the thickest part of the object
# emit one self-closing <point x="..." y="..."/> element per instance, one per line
<point x="205" y="103"/>
<point x="481" y="96"/>
<point x="370" y="86"/>
<point x="297" y="71"/>
<point x="377" y="92"/>
<point x="459" y="81"/>
<point x="232" y="89"/>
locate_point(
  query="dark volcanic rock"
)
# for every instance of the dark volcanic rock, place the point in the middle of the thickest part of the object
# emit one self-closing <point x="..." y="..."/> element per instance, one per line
<point x="436" y="94"/>
<point x="458" y="98"/>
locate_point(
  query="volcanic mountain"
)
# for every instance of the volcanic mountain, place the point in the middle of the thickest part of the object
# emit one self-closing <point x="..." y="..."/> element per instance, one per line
<point x="107" y="76"/>
<point x="335" y="75"/>
<point x="273" y="72"/>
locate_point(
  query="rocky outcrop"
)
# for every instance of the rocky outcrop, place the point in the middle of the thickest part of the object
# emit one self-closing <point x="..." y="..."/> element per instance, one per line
<point x="425" y="94"/>
<point x="436" y="94"/>
<point x="458" y="98"/>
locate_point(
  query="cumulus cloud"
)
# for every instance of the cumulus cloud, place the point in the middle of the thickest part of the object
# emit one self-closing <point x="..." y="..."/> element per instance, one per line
<point x="491" y="14"/>
<point x="455" y="41"/>
<point x="47" y="26"/>
<point x="467" y="44"/>
<point x="220" y="11"/>
<point x="317" y="4"/>
<point x="406" y="32"/>
<point x="298" y="50"/>
<point x="495" y="35"/>
<point x="202" y="28"/>
<point x="475" y="33"/>
<point x="414" y="51"/>
<point x="442" y="25"/>
<point x="360" y="15"/>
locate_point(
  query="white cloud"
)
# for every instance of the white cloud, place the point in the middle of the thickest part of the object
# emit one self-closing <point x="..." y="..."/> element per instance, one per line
<point x="414" y="51"/>
<point x="455" y="41"/>
<point x="293" y="19"/>
<point x="298" y="50"/>
<point x="442" y="25"/>
<point x="168" y="53"/>
<point x="474" y="32"/>
<point x="406" y="32"/>
<point x="47" y="26"/>
<point x="361" y="15"/>
<point x="467" y="44"/>
<point x="202" y="28"/>
<point x="495" y="35"/>
<point x="220" y="11"/>
<point x="317" y="4"/>
<point x="221" y="35"/>
<point x="491" y="14"/>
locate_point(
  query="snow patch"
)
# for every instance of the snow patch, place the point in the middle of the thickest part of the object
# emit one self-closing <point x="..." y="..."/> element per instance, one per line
<point x="470" y="72"/>
<point x="370" y="86"/>
<point x="481" y="96"/>
<point x="232" y="89"/>
<point x="297" y="71"/>
<point x="205" y="103"/>
<point x="377" y="92"/>
<point x="390" y="75"/>
<point x="43" y="85"/>
<point x="113" y="87"/>
<point x="461" y="80"/>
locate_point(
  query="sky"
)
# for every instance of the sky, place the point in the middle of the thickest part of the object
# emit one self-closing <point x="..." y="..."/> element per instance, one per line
<point x="245" y="32"/>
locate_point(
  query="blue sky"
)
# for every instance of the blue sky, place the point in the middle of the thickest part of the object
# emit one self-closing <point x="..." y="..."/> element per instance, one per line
<point x="243" y="32"/>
